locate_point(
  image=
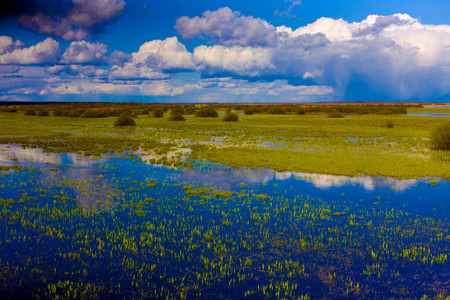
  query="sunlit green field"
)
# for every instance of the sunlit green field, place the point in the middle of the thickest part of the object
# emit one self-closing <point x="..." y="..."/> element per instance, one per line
<point x="353" y="145"/>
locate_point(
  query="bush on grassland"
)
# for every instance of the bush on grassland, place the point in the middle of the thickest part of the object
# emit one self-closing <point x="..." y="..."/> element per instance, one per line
<point x="207" y="112"/>
<point x="276" y="110"/>
<point x="125" y="120"/>
<point x="440" y="137"/>
<point x="74" y="114"/>
<point x="58" y="113"/>
<point x="177" y="110"/>
<point x="389" y="124"/>
<point x="334" y="114"/>
<point x="30" y="112"/>
<point x="190" y="110"/>
<point x="230" y="117"/>
<point x="248" y="112"/>
<point x="158" y="113"/>
<point x="177" y="117"/>
<point x="43" y="113"/>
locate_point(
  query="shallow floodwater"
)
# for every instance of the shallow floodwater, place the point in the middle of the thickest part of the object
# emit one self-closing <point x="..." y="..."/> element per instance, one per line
<point x="116" y="227"/>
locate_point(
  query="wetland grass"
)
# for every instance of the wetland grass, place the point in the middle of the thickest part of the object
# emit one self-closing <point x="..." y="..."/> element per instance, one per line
<point x="308" y="141"/>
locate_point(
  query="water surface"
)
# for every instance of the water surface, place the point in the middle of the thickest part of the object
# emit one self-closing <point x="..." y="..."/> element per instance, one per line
<point x="117" y="227"/>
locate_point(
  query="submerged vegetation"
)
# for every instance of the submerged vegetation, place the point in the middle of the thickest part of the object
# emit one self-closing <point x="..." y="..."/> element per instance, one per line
<point x="122" y="229"/>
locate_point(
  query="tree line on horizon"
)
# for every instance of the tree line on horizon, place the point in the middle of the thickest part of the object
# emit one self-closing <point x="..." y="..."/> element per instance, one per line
<point x="103" y="110"/>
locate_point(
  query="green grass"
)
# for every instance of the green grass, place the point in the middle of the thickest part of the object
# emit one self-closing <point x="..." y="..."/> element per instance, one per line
<point x="309" y="143"/>
<point x="431" y="109"/>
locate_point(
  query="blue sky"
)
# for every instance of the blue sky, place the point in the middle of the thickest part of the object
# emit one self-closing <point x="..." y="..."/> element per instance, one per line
<point x="224" y="51"/>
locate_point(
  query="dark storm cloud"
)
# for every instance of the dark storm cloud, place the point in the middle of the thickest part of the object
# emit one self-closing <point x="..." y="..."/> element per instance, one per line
<point x="21" y="7"/>
<point x="84" y="19"/>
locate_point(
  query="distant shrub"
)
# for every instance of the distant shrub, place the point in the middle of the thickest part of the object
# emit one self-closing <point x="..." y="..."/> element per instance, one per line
<point x="177" y="111"/>
<point x="65" y="113"/>
<point x="230" y="117"/>
<point x="300" y="111"/>
<point x="58" y="113"/>
<point x="43" y="113"/>
<point x="126" y="112"/>
<point x="363" y="111"/>
<point x="389" y="124"/>
<point x="190" y="110"/>
<point x="114" y="113"/>
<point x="440" y="137"/>
<point x="334" y="114"/>
<point x="158" y="113"/>
<point x="30" y="112"/>
<point x="89" y="114"/>
<point x="95" y="114"/>
<point x="256" y="110"/>
<point x="74" y="114"/>
<point x="289" y="108"/>
<point x="177" y="117"/>
<point x="125" y="120"/>
<point x="207" y="112"/>
<point x="387" y="112"/>
<point x="10" y="109"/>
<point x="276" y="110"/>
<point x="248" y="112"/>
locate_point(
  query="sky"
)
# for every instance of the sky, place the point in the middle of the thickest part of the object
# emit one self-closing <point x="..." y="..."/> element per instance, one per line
<point x="224" y="51"/>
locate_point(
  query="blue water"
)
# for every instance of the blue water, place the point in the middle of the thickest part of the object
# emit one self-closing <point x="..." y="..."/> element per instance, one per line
<point x="116" y="227"/>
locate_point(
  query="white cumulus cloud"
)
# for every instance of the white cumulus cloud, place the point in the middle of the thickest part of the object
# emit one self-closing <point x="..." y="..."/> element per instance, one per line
<point x="82" y="52"/>
<point x="395" y="56"/>
<point x="249" y="61"/>
<point x="153" y="58"/>
<point x="153" y="88"/>
<point x="227" y="27"/>
<point x="44" y="52"/>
